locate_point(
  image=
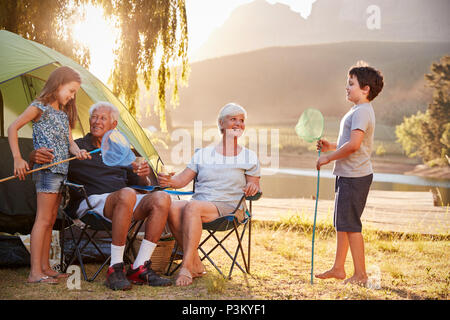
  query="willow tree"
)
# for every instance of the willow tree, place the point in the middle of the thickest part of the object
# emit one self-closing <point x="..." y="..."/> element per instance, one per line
<point x="152" y="43"/>
<point x="40" y="21"/>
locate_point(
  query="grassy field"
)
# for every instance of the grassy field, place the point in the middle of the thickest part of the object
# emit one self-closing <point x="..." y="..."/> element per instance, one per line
<point x="400" y="266"/>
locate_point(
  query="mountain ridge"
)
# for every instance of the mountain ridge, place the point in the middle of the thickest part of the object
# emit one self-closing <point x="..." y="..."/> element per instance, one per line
<point x="276" y="84"/>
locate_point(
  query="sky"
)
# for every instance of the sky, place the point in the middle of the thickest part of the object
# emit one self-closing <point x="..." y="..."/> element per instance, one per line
<point x="203" y="16"/>
<point x="206" y="15"/>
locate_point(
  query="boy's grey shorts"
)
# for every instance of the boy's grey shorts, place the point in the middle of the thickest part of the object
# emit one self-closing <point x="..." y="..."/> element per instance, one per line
<point x="350" y="200"/>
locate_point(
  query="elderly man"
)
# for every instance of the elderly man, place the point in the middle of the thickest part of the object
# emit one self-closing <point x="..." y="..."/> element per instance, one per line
<point x="108" y="191"/>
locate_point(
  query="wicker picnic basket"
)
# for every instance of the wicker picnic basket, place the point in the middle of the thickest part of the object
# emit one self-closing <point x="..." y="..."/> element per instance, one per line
<point x="161" y="256"/>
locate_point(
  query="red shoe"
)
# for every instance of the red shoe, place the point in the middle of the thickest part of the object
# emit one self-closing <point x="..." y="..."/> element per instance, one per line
<point x="116" y="279"/>
<point x="145" y="275"/>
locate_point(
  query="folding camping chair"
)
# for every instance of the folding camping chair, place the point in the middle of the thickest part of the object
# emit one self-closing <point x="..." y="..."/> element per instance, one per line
<point x="231" y="224"/>
<point x="88" y="227"/>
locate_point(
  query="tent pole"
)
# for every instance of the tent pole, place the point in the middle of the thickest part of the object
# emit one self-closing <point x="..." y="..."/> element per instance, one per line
<point x="2" y="120"/>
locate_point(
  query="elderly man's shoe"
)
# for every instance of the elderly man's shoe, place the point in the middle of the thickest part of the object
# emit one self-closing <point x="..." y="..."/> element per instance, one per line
<point x="116" y="279"/>
<point x="145" y="275"/>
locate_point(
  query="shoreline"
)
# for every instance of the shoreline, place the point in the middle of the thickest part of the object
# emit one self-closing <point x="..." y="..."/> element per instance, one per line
<point x="385" y="164"/>
<point x="422" y="170"/>
<point x="381" y="164"/>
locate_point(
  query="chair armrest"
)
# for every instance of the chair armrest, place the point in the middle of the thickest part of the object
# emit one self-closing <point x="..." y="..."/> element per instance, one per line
<point x="80" y="189"/>
<point x="73" y="185"/>
<point x="254" y="197"/>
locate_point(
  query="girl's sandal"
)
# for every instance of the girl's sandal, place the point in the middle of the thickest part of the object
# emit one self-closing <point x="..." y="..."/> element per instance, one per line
<point x="60" y="275"/>
<point x="45" y="279"/>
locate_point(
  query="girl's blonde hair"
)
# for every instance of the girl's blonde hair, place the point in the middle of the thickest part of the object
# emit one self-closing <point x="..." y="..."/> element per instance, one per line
<point x="57" y="78"/>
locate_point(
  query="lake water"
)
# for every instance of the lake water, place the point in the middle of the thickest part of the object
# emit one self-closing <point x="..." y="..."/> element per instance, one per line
<point x="302" y="183"/>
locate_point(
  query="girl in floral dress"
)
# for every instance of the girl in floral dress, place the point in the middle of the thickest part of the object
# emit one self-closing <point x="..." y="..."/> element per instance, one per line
<point x="53" y="114"/>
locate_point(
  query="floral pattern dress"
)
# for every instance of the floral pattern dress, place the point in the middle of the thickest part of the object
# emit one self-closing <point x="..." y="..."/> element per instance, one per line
<point x="52" y="131"/>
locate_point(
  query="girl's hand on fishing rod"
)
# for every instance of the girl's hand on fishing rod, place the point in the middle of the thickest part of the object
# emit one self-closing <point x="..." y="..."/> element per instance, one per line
<point x="80" y="154"/>
<point x="20" y="168"/>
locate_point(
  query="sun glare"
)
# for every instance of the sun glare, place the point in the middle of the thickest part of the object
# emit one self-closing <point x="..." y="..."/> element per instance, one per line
<point x="100" y="36"/>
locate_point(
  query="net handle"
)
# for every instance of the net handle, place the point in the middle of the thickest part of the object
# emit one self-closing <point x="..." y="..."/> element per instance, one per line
<point x="48" y="166"/>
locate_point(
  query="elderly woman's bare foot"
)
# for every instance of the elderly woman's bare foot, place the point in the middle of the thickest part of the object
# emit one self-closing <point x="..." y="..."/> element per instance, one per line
<point x="332" y="273"/>
<point x="199" y="271"/>
<point x="184" y="277"/>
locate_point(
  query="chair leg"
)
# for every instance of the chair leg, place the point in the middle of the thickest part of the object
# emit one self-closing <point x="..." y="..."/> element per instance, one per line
<point x="172" y="258"/>
<point x="219" y="243"/>
<point x="233" y="258"/>
<point x="211" y="261"/>
<point x="129" y="245"/>
<point x="239" y="248"/>
<point x="249" y="241"/>
<point x="100" y="269"/>
<point x="61" y="241"/>
<point x="76" y="254"/>
<point x="91" y="239"/>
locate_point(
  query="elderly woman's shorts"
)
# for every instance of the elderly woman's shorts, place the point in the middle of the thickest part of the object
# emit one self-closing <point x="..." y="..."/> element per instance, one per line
<point x="226" y="208"/>
<point x="47" y="181"/>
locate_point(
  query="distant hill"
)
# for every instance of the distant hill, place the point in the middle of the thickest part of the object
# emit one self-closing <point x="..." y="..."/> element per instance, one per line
<point x="260" y="25"/>
<point x="276" y="84"/>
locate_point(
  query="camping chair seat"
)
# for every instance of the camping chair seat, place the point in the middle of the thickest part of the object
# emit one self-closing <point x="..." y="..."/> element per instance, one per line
<point x="231" y="224"/>
<point x="88" y="226"/>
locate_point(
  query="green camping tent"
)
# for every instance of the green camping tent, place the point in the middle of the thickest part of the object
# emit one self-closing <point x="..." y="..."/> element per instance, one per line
<point x="24" y="67"/>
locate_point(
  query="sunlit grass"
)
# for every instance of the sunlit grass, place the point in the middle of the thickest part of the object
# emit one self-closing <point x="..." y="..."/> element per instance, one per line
<point x="405" y="266"/>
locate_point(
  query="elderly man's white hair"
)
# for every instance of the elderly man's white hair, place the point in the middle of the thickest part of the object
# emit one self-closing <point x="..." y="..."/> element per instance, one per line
<point x="104" y="104"/>
<point x="230" y="109"/>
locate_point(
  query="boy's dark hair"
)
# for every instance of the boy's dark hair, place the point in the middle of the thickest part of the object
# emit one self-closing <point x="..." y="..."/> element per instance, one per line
<point x="368" y="76"/>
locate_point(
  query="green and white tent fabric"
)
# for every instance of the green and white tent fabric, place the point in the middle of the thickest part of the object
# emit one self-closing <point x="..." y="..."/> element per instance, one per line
<point x="24" y="67"/>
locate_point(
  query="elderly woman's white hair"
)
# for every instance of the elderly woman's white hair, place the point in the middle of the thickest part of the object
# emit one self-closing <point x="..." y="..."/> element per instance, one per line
<point x="230" y="109"/>
<point x="105" y="104"/>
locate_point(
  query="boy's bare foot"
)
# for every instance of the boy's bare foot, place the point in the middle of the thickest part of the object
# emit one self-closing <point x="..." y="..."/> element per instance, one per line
<point x="332" y="273"/>
<point x="357" y="279"/>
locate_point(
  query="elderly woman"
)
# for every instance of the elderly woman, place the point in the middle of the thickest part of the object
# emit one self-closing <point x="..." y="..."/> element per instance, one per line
<point x="224" y="173"/>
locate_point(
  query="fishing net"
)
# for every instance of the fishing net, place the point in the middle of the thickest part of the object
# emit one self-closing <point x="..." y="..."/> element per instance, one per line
<point x="116" y="149"/>
<point x="310" y="125"/>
